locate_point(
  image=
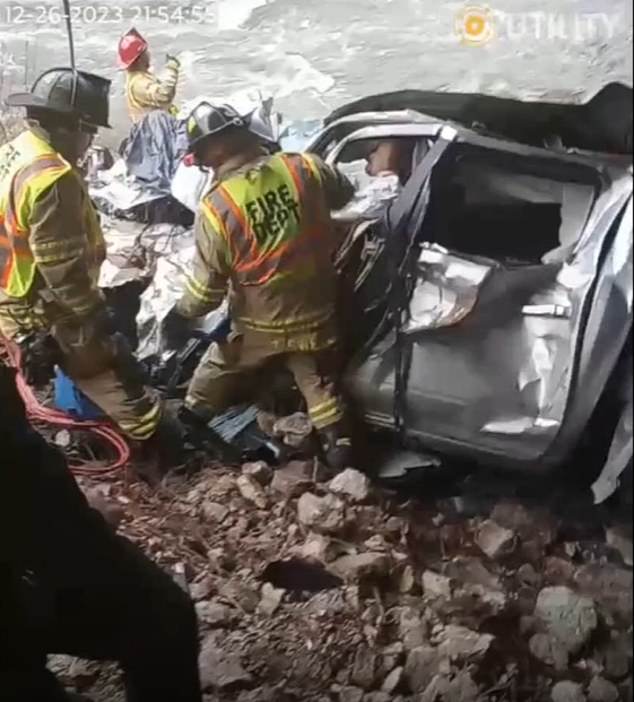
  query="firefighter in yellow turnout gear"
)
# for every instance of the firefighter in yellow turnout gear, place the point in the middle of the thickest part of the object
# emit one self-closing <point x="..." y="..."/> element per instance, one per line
<point x="52" y="247"/>
<point x="145" y="91"/>
<point x="264" y="233"/>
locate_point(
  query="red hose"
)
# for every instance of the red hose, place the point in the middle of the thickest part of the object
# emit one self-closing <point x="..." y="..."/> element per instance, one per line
<point x="104" y="431"/>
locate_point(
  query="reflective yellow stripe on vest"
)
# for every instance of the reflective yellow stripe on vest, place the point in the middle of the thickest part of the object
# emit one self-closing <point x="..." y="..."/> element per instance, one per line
<point x="28" y="168"/>
<point x="267" y="218"/>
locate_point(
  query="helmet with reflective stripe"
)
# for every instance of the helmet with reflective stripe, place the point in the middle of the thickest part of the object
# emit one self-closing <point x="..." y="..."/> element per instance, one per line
<point x="81" y="95"/>
<point x="131" y="46"/>
<point x="208" y="120"/>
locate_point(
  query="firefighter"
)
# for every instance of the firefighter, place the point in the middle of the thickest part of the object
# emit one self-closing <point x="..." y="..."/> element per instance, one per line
<point x="145" y="91"/>
<point x="69" y="584"/>
<point x="51" y="250"/>
<point x="265" y="231"/>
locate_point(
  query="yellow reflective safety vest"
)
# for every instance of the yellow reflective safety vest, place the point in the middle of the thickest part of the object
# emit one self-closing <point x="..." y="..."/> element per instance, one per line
<point x="278" y="235"/>
<point x="29" y="166"/>
<point x="272" y="220"/>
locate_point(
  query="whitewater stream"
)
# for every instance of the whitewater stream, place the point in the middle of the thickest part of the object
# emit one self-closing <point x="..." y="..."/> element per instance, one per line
<point x="313" y="56"/>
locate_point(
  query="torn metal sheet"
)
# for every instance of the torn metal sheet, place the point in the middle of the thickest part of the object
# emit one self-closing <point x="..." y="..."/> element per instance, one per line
<point x="173" y="255"/>
<point x="447" y="289"/>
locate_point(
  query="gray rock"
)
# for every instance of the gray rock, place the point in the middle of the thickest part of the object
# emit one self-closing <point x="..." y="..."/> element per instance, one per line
<point x="393" y="681"/>
<point x="393" y="656"/>
<point x="294" y="480"/>
<point x="261" y="694"/>
<point x="462" y="689"/>
<point x="527" y="575"/>
<point x="558" y="571"/>
<point x="602" y="690"/>
<point x="214" y="614"/>
<point x="202" y="590"/>
<point x="328" y="604"/>
<point x="365" y="565"/>
<point x="610" y="586"/>
<point x="271" y="600"/>
<point x="421" y="667"/>
<point x="214" y="512"/>
<point x="364" y="668"/>
<point x="462" y="644"/>
<point x="220" y="669"/>
<point x="471" y="571"/>
<point x="436" y="585"/>
<point x="352" y="484"/>
<point x="379" y="697"/>
<point x="318" y="548"/>
<point x="325" y="515"/>
<point x="351" y="694"/>
<point x="437" y="689"/>
<point x="220" y="487"/>
<point x="550" y="651"/>
<point x="252" y="491"/>
<point x="240" y="595"/>
<point x="407" y="581"/>
<point x="620" y="538"/>
<point x="413" y="630"/>
<point x="494" y="540"/>
<point x="567" y="691"/>
<point x="617" y="657"/>
<point x="260" y="471"/>
<point x="531" y="525"/>
<point x="568" y="617"/>
<point x="295" y="428"/>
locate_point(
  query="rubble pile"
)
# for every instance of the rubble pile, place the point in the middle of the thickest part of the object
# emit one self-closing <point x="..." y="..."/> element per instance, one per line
<point x="338" y="591"/>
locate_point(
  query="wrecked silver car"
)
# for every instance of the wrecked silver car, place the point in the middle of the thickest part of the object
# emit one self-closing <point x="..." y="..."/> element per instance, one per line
<point x="492" y="298"/>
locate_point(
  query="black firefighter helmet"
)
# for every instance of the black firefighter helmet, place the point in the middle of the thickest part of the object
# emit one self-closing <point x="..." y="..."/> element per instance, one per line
<point x="209" y="120"/>
<point x="80" y="95"/>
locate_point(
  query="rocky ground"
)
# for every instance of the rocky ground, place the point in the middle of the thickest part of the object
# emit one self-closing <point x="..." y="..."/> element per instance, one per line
<point x="340" y="591"/>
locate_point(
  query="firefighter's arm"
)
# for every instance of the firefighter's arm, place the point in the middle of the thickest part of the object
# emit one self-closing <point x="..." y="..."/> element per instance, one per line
<point x="159" y="93"/>
<point x="337" y="188"/>
<point x="60" y="247"/>
<point x="207" y="281"/>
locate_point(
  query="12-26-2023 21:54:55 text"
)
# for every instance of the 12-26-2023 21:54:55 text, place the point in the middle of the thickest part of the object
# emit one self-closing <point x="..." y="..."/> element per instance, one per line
<point x="42" y="15"/>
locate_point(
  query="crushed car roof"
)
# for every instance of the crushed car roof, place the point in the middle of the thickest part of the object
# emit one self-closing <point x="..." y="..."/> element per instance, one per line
<point x="603" y="124"/>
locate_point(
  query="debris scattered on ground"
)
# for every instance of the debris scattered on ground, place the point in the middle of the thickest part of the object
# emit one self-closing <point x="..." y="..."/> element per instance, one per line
<point x="307" y="595"/>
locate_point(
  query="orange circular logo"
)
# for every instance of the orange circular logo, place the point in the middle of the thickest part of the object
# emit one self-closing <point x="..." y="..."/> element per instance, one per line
<point x="475" y="25"/>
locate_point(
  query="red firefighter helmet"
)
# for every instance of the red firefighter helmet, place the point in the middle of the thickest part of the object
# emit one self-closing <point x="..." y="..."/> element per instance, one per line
<point x="131" y="46"/>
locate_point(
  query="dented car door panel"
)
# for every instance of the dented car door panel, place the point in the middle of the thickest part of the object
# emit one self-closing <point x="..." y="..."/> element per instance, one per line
<point x="501" y="357"/>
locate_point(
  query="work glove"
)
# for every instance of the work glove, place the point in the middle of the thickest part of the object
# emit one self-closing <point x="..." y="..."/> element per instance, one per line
<point x="40" y="354"/>
<point x="175" y="330"/>
<point x="172" y="61"/>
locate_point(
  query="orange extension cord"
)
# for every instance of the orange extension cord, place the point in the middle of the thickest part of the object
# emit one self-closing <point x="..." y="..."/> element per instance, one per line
<point x="37" y="412"/>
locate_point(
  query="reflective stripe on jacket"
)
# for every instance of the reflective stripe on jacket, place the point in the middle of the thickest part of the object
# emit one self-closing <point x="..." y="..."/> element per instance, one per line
<point x="29" y="167"/>
<point x="274" y="224"/>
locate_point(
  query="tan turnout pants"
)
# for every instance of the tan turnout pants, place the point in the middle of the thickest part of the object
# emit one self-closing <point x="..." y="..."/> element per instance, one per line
<point x="105" y="372"/>
<point x="225" y="377"/>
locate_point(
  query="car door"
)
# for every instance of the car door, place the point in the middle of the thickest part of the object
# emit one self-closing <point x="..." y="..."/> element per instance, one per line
<point x="487" y="352"/>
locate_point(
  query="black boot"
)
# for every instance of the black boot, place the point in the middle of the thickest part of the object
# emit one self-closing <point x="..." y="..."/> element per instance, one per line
<point x="153" y="459"/>
<point x="337" y="447"/>
<point x="200" y="435"/>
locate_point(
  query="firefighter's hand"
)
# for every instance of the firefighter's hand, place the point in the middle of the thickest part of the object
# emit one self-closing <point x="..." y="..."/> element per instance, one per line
<point x="172" y="61"/>
<point x="40" y="354"/>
